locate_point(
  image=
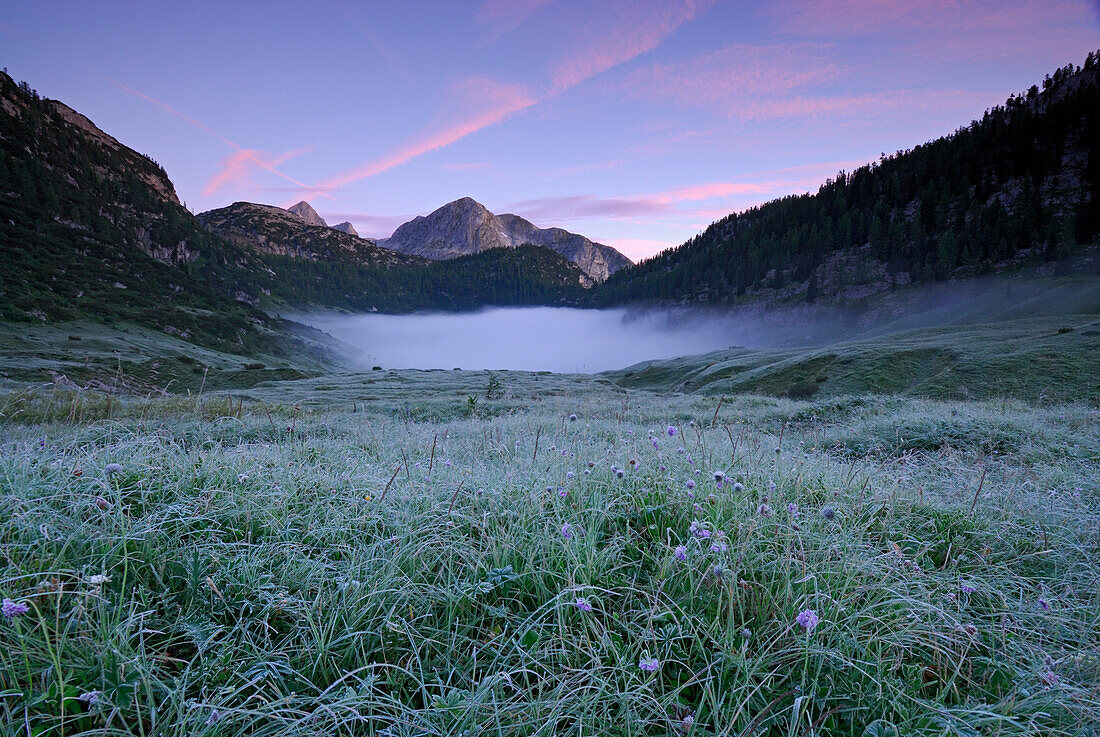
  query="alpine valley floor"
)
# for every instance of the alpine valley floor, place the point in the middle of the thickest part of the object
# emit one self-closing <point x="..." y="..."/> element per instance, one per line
<point x="458" y="552"/>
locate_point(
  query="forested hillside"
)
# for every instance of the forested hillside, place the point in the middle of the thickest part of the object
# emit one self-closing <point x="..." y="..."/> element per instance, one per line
<point x="1021" y="185"/>
<point x="92" y="229"/>
<point x="525" y="275"/>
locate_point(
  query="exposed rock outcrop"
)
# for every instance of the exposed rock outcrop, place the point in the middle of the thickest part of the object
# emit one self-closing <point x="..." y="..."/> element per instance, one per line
<point x="305" y="212"/>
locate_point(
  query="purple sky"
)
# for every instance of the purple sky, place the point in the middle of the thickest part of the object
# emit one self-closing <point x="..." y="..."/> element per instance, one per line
<point x="634" y="123"/>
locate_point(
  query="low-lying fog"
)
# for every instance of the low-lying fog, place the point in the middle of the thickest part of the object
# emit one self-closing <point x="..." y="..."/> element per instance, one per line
<point x="559" y="339"/>
<point x="568" y="340"/>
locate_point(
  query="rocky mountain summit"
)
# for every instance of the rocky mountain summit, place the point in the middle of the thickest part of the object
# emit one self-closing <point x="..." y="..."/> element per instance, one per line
<point x="278" y="232"/>
<point x="305" y="212"/>
<point x="465" y="227"/>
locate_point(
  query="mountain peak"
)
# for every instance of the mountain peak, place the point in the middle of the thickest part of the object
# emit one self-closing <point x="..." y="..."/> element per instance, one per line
<point x="346" y="227"/>
<point x="307" y="213"/>
<point x="465" y="226"/>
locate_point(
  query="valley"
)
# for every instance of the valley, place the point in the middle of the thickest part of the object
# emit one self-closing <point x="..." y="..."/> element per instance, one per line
<point x="829" y="467"/>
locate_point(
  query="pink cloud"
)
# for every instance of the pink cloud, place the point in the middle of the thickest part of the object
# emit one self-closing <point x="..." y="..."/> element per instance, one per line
<point x="583" y="207"/>
<point x="666" y="206"/>
<point x="950" y="30"/>
<point x="501" y="17"/>
<point x="631" y="30"/>
<point x="709" y="191"/>
<point x="626" y="31"/>
<point x="762" y="82"/>
<point x="736" y="75"/>
<point x="846" y="18"/>
<point x="237" y="167"/>
<point x="490" y="102"/>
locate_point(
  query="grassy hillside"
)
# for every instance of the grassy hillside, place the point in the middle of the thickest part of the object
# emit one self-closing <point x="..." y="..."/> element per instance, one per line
<point x="378" y="554"/>
<point x="1039" y="360"/>
<point x="132" y="359"/>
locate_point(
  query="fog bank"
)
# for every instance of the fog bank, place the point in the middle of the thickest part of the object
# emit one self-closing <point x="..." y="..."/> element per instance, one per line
<point x="559" y="339"/>
<point x="569" y="340"/>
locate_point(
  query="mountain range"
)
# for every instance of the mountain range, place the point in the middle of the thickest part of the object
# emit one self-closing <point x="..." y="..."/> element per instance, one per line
<point x="461" y="228"/>
<point x="92" y="229"/>
<point x="465" y="227"/>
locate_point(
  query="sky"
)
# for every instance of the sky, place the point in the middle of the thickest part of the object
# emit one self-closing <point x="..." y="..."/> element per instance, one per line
<point x="636" y="123"/>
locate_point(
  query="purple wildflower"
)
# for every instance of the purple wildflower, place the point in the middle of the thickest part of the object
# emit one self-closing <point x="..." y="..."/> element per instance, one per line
<point x="690" y="484"/>
<point x="1044" y="605"/>
<point x="967" y="589"/>
<point x="718" y="547"/>
<point x="12" y="609"/>
<point x="681" y="552"/>
<point x="793" y="509"/>
<point x="655" y="446"/>
<point x="808" y="619"/>
<point x="764" y="510"/>
<point x="828" y="513"/>
<point x="91" y="698"/>
<point x="649" y="665"/>
<point x="698" y="530"/>
<point x="565" y="531"/>
<point x="583" y="604"/>
<point x="671" y="431"/>
<point x="1049" y="677"/>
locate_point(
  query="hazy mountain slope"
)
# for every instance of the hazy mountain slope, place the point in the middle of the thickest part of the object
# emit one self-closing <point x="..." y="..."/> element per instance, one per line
<point x="278" y="232"/>
<point x="465" y="226"/>
<point x="1018" y="186"/>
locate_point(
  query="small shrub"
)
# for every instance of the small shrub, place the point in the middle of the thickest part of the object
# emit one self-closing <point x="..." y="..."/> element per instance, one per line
<point x="803" y="390"/>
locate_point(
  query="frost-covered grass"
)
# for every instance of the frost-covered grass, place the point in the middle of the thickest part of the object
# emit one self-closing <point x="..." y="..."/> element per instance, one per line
<point x="424" y="564"/>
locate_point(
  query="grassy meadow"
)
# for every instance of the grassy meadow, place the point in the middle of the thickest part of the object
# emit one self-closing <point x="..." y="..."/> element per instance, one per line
<point x="463" y="553"/>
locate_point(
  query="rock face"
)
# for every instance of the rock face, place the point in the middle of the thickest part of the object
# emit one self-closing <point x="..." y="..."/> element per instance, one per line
<point x="465" y="226"/>
<point x="273" y="230"/>
<point x="308" y="214"/>
<point x="346" y="227"/>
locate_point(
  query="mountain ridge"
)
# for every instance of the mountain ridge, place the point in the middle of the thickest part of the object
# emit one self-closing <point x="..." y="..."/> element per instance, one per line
<point x="278" y="232"/>
<point x="465" y="226"/>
